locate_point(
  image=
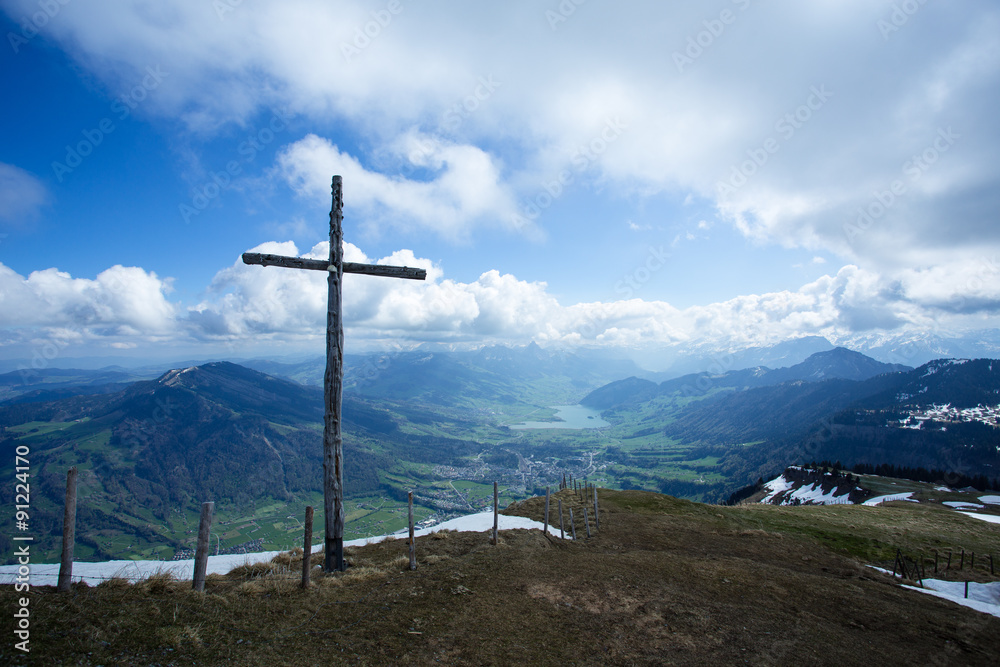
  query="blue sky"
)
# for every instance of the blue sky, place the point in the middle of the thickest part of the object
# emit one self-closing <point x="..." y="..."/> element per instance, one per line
<point x="640" y="176"/>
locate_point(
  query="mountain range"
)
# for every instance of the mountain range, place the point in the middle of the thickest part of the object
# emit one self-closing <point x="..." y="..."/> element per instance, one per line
<point x="662" y="363"/>
<point x="838" y="363"/>
<point x="150" y="451"/>
<point x="497" y="374"/>
<point x="153" y="451"/>
<point x="836" y="405"/>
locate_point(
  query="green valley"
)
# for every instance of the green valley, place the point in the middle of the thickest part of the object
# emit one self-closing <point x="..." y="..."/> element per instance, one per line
<point x="445" y="427"/>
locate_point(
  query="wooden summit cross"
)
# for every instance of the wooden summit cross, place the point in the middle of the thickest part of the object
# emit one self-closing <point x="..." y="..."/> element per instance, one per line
<point x="333" y="444"/>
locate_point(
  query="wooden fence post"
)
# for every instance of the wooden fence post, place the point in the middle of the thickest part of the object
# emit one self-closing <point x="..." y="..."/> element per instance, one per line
<point x="572" y="523"/>
<point x="546" y="529"/>
<point x="201" y="554"/>
<point x="961" y="563"/>
<point x="562" y="532"/>
<point x="496" y="520"/>
<point x="69" y="534"/>
<point x="586" y="521"/>
<point x="948" y="567"/>
<point x="307" y="547"/>
<point x="413" y="544"/>
<point x="597" y="513"/>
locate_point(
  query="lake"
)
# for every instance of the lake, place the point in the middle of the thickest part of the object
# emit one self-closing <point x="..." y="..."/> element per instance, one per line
<point x="573" y="417"/>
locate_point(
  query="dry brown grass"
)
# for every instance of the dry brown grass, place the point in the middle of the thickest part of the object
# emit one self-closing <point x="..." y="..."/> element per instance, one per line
<point x="664" y="582"/>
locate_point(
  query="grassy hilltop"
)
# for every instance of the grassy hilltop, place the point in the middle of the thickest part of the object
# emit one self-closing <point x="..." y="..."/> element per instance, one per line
<point x="664" y="581"/>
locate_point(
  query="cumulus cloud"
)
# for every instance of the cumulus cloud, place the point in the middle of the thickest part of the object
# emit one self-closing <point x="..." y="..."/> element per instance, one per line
<point x="124" y="306"/>
<point x="806" y="112"/>
<point x="119" y="302"/>
<point x="802" y="124"/>
<point x="288" y="304"/>
<point x="465" y="187"/>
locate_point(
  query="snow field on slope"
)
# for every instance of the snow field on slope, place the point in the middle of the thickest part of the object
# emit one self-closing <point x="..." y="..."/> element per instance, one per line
<point x="47" y="574"/>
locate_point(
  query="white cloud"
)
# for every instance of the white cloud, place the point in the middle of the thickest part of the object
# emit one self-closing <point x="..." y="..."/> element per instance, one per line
<point x="120" y="301"/>
<point x="466" y="188"/>
<point x="265" y="306"/>
<point x="808" y="111"/>
<point x="250" y="301"/>
<point x="687" y="128"/>
<point x="21" y="194"/>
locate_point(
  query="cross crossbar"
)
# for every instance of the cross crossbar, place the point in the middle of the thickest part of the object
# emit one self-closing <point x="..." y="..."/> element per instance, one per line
<point x="264" y="259"/>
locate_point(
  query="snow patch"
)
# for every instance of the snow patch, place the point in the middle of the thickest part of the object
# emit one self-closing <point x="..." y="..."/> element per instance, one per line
<point x="990" y="518"/>
<point x="775" y="486"/>
<point x="878" y="500"/>
<point x="990" y="500"/>
<point x="811" y="494"/>
<point x="982" y="597"/>
<point x="47" y="574"/>
<point x="962" y="506"/>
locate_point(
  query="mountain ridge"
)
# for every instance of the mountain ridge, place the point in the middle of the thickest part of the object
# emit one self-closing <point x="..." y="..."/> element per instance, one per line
<point x="837" y="363"/>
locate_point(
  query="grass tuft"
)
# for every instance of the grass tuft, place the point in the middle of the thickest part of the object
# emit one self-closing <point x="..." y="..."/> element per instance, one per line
<point x="159" y="582"/>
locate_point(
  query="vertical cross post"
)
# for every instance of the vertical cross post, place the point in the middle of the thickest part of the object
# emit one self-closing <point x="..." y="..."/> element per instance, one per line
<point x="333" y="392"/>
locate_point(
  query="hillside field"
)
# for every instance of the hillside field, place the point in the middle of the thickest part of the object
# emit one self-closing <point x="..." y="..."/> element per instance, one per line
<point x="663" y="582"/>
